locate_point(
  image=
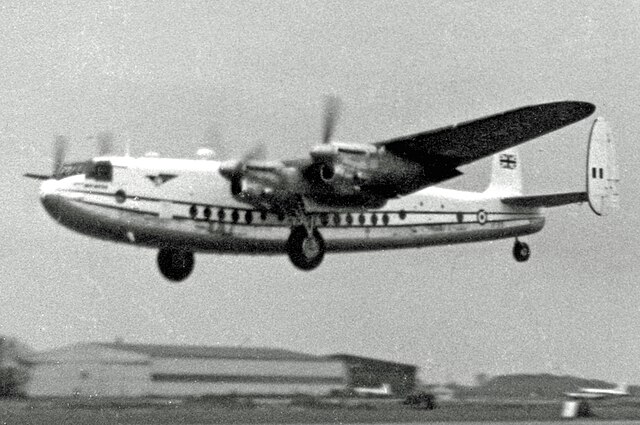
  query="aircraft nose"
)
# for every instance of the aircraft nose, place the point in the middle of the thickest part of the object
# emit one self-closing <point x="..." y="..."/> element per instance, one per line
<point x="50" y="198"/>
<point x="48" y="187"/>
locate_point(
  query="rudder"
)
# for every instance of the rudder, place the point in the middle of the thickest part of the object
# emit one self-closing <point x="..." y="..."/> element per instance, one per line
<point x="602" y="169"/>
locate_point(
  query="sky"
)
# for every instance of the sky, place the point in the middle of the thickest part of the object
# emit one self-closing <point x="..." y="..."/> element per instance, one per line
<point x="174" y="76"/>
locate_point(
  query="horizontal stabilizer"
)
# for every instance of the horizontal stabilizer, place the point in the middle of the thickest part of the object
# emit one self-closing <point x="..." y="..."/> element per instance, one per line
<point x="554" y="200"/>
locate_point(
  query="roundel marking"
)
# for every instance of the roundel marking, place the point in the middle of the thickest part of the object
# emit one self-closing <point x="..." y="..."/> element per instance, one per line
<point x="482" y="216"/>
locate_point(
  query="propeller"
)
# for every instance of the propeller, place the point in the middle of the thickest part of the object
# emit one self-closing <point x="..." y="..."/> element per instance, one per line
<point x="332" y="106"/>
<point x="234" y="170"/>
<point x="60" y="147"/>
<point x="104" y="139"/>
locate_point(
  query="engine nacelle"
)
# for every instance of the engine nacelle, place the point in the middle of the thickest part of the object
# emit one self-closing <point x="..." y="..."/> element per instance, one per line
<point x="344" y="181"/>
<point x="268" y="189"/>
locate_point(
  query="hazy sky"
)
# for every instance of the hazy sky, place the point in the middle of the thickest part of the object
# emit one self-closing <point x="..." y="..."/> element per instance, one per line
<point x="169" y="76"/>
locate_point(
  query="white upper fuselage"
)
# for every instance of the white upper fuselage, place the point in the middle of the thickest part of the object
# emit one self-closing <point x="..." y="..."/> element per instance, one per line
<point x="163" y="202"/>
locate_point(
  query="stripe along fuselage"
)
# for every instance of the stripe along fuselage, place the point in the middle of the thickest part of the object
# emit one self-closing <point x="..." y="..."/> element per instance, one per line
<point x="187" y="205"/>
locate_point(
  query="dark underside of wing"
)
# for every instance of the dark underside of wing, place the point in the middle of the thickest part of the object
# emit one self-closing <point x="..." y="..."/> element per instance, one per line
<point x="453" y="146"/>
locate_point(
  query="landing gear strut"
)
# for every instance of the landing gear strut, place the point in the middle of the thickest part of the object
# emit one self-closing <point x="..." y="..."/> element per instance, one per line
<point x="521" y="251"/>
<point x="175" y="264"/>
<point x="305" y="248"/>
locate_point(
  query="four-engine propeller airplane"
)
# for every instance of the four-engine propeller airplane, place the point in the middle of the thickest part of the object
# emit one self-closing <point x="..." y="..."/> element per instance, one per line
<point x="343" y="197"/>
<point x="599" y="393"/>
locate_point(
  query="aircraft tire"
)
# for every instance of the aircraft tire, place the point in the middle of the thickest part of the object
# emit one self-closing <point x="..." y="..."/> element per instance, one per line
<point x="521" y="251"/>
<point x="305" y="252"/>
<point x="176" y="265"/>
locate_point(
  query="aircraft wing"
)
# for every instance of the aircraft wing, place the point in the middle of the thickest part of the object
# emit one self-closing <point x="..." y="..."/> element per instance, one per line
<point x="456" y="145"/>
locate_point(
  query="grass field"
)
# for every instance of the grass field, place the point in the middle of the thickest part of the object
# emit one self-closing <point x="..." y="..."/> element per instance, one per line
<point x="173" y="412"/>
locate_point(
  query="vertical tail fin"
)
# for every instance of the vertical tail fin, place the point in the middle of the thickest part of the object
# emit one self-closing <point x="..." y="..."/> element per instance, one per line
<point x="506" y="174"/>
<point x="602" y="169"/>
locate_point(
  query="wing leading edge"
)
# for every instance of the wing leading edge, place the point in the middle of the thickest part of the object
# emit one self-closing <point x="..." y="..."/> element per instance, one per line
<point x="469" y="141"/>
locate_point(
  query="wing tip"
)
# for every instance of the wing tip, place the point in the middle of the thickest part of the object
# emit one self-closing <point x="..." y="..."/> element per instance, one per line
<point x="579" y="109"/>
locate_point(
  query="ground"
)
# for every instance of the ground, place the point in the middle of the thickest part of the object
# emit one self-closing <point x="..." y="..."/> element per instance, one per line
<point x="247" y="412"/>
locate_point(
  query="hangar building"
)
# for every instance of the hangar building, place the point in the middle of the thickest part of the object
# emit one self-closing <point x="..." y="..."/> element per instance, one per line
<point x="121" y="369"/>
<point x="372" y="373"/>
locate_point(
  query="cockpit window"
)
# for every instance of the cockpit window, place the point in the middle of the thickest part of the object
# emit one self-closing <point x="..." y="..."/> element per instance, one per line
<point x="71" y="169"/>
<point x="100" y="171"/>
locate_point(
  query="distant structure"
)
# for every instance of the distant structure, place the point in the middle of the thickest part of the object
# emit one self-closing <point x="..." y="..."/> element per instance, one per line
<point x="120" y="369"/>
<point x="373" y="373"/>
<point x="13" y="374"/>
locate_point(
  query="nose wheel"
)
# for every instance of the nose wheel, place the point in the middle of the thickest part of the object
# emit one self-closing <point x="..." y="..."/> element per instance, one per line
<point x="175" y="265"/>
<point x="521" y="251"/>
<point x="305" y="249"/>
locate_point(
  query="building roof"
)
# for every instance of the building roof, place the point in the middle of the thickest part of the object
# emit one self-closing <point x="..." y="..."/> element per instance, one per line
<point x="350" y="359"/>
<point x="214" y="352"/>
<point x="85" y="353"/>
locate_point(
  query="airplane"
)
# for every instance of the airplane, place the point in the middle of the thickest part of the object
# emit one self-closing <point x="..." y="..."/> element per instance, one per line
<point x="344" y="197"/>
<point x="599" y="393"/>
<point x="383" y="390"/>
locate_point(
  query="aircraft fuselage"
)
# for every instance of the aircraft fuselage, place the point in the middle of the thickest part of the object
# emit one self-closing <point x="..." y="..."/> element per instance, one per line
<point x="187" y="204"/>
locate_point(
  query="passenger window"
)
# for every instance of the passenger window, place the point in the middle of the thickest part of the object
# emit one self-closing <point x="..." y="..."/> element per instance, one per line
<point x="101" y="171"/>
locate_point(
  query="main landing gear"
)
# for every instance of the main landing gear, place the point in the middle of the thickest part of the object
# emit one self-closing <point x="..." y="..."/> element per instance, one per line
<point x="305" y="247"/>
<point x="175" y="264"/>
<point x="521" y="251"/>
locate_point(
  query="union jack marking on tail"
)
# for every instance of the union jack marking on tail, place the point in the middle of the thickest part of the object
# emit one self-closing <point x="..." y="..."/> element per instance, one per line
<point x="508" y="161"/>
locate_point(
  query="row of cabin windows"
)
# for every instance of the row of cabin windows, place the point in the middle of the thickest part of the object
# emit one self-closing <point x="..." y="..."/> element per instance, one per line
<point x="325" y="218"/>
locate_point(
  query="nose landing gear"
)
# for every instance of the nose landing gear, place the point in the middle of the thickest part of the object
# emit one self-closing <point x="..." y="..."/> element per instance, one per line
<point x="521" y="251"/>
<point x="176" y="265"/>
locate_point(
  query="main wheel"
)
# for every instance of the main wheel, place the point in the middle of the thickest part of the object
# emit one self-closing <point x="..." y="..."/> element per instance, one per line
<point x="176" y="265"/>
<point x="521" y="251"/>
<point x="305" y="251"/>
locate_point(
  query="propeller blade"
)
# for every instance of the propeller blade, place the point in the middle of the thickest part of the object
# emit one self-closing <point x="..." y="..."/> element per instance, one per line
<point x="257" y="153"/>
<point x="60" y="146"/>
<point x="234" y="169"/>
<point x="332" y="107"/>
<point x="105" y="143"/>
